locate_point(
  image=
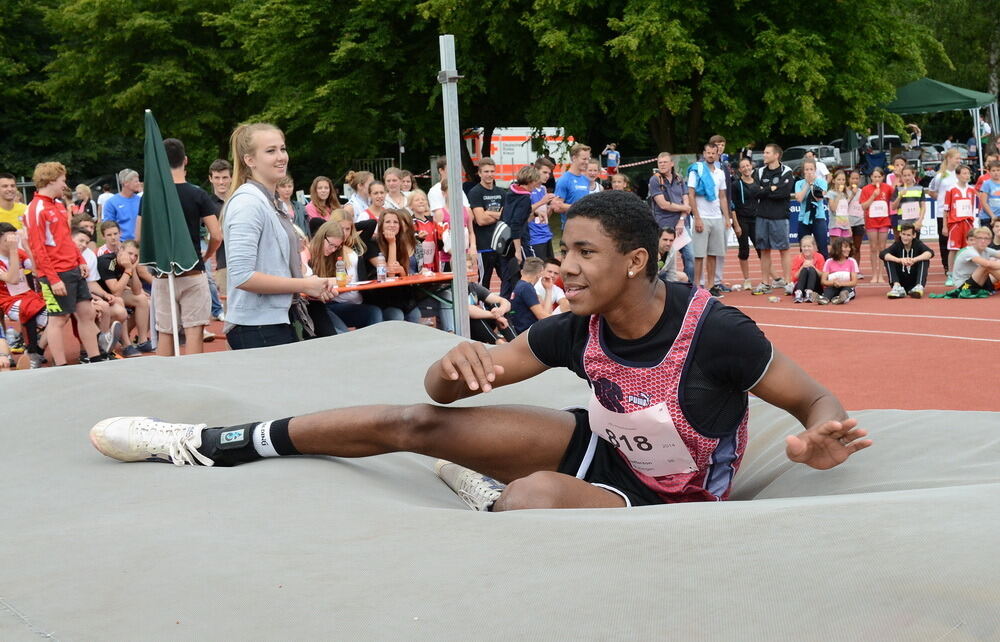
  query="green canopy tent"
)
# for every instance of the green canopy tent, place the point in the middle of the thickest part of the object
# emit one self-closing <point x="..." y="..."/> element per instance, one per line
<point x="926" y="96"/>
<point x="165" y="244"/>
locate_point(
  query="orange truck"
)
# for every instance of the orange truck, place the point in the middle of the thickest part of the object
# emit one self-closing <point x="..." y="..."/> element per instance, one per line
<point x="514" y="147"/>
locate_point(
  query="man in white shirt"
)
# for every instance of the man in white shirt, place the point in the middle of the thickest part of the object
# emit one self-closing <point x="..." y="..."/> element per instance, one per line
<point x="435" y="199"/>
<point x="550" y="273"/>
<point x="106" y="193"/>
<point x="710" y="213"/>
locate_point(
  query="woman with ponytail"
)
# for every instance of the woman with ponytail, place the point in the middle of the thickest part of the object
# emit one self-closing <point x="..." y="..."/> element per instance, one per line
<point x="262" y="247"/>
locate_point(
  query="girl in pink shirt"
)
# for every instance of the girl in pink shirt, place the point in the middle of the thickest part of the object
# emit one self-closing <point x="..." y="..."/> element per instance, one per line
<point x="806" y="268"/>
<point x="840" y="274"/>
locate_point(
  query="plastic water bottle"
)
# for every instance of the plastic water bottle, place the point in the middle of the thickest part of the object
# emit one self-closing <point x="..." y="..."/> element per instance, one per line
<point x="341" y="273"/>
<point x="12" y="337"/>
<point x="380" y="270"/>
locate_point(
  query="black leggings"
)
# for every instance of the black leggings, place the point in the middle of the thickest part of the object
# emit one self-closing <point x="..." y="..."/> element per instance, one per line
<point x="748" y="235"/>
<point x="808" y="279"/>
<point x="829" y="291"/>
<point x="857" y="236"/>
<point x="942" y="244"/>
<point x="31" y="329"/>
<point x="908" y="278"/>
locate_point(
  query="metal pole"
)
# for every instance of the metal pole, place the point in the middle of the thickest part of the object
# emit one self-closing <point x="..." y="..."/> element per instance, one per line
<point x="173" y="315"/>
<point x="448" y="77"/>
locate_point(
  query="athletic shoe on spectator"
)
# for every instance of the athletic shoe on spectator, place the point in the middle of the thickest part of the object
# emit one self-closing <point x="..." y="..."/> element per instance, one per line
<point x="917" y="291"/>
<point x="897" y="292"/>
<point x="146" y="439"/>
<point x="949" y="282"/>
<point x="35" y="361"/>
<point x="788" y="289"/>
<point x="839" y="299"/>
<point x="716" y="291"/>
<point x="823" y="300"/>
<point x="475" y="489"/>
<point x="131" y="350"/>
<point x="107" y="341"/>
<point x="747" y="285"/>
<point x="763" y="288"/>
<point x="146" y="347"/>
<point x="208" y="336"/>
<point x="220" y="316"/>
<point x="812" y="297"/>
<point x="778" y="283"/>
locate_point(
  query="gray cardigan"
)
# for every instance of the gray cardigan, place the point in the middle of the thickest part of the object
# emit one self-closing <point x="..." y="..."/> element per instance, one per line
<point x="255" y="242"/>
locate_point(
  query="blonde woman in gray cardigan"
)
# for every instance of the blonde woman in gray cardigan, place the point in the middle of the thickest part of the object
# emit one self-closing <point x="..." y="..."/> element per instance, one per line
<point x="262" y="248"/>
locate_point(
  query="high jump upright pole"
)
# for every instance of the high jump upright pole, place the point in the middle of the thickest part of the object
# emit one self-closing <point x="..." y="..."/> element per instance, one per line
<point x="448" y="77"/>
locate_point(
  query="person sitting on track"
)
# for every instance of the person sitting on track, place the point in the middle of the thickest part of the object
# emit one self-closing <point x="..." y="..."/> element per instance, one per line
<point x="669" y="368"/>
<point x="977" y="268"/>
<point x="840" y="274"/>
<point x="907" y="261"/>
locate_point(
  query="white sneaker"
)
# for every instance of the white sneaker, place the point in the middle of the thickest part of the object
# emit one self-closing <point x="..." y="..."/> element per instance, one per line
<point x="747" y="285"/>
<point x="475" y="489"/>
<point x="788" y="288"/>
<point x="897" y="292"/>
<point x="147" y="439"/>
<point x="917" y="291"/>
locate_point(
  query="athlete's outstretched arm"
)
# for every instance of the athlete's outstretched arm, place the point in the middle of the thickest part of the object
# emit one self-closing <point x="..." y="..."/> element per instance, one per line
<point x="830" y="436"/>
<point x="470" y="368"/>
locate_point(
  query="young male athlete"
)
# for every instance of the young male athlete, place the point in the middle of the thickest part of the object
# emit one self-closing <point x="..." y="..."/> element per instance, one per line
<point x="669" y="369"/>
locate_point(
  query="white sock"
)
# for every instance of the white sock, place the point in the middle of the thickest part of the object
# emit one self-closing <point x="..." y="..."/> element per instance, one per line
<point x="262" y="440"/>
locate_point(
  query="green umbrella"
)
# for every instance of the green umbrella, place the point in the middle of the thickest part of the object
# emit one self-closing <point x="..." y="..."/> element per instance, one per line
<point x="165" y="244"/>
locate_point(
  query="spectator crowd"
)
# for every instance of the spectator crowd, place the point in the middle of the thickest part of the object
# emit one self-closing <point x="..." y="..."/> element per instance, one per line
<point x="276" y="270"/>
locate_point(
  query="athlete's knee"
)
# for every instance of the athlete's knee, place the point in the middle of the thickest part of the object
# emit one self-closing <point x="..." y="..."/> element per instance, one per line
<point x="538" y="490"/>
<point x="414" y="425"/>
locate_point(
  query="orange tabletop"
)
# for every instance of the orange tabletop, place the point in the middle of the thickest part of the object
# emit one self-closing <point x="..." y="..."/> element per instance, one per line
<point x="413" y="279"/>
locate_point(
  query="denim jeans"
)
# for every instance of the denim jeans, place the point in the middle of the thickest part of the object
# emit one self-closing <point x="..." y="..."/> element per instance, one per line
<point x="243" y="337"/>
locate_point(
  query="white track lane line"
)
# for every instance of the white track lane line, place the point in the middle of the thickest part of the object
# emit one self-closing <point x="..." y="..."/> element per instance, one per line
<point x="866" y="314"/>
<point x="906" y="334"/>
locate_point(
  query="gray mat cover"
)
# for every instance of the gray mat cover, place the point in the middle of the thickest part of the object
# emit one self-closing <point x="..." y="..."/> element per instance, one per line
<point x="900" y="543"/>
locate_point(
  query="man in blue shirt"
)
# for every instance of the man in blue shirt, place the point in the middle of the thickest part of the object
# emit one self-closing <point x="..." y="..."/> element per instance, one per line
<point x="574" y="184"/>
<point x="123" y="207"/>
<point x="525" y="305"/>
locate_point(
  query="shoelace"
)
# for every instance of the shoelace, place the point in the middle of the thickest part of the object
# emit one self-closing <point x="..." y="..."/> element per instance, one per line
<point x="478" y="491"/>
<point x="158" y="437"/>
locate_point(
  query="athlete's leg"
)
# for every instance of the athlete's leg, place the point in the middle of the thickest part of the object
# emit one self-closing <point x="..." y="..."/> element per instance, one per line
<point x="504" y="442"/>
<point x="555" y="490"/>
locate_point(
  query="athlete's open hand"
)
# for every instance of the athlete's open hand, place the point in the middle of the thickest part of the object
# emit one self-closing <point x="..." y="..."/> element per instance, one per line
<point x="470" y="361"/>
<point x="828" y="444"/>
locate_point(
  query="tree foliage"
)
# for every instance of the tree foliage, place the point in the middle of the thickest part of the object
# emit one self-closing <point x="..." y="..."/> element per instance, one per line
<point x="659" y="74"/>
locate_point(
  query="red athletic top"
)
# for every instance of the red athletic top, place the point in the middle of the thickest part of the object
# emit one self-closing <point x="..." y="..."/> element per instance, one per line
<point x="49" y="238"/>
<point x="960" y="203"/>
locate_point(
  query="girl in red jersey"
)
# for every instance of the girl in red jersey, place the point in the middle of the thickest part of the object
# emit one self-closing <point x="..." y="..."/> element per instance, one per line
<point x="960" y="205"/>
<point x="875" y="198"/>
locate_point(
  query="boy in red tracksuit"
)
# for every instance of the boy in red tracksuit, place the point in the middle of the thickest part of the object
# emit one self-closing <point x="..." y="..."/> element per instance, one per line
<point x="59" y="264"/>
<point x="960" y="204"/>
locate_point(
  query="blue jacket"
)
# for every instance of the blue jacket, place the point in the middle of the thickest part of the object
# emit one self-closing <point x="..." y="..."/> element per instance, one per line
<point x="706" y="184"/>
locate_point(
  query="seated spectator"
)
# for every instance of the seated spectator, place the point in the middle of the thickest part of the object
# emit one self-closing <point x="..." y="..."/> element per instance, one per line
<point x="806" y="269"/>
<point x="840" y="274"/>
<point x="295" y="210"/>
<point x="526" y="307"/>
<point x="424" y="229"/>
<point x="977" y="268"/>
<point x="322" y="198"/>
<point x="18" y="301"/>
<point x="119" y="277"/>
<point x="326" y="247"/>
<point x="85" y="223"/>
<point x="112" y="235"/>
<point x="487" y="316"/>
<point x="668" y="257"/>
<point x="907" y="261"/>
<point x="111" y="314"/>
<point x="395" y="242"/>
<point x="550" y="277"/>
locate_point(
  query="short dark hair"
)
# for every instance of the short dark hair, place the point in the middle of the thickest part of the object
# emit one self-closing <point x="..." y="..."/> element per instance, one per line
<point x="541" y="162"/>
<point x="220" y="165"/>
<point x="907" y="227"/>
<point x="553" y="261"/>
<point x="669" y="230"/>
<point x="175" y="152"/>
<point x="5" y="226"/>
<point x="626" y="219"/>
<point x="107" y="225"/>
<point x="8" y="175"/>
<point x="79" y="230"/>
<point x="442" y="162"/>
<point x="776" y="148"/>
<point x="716" y="139"/>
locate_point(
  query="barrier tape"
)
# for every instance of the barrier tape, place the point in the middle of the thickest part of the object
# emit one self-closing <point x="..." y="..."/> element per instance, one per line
<point x="651" y="160"/>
